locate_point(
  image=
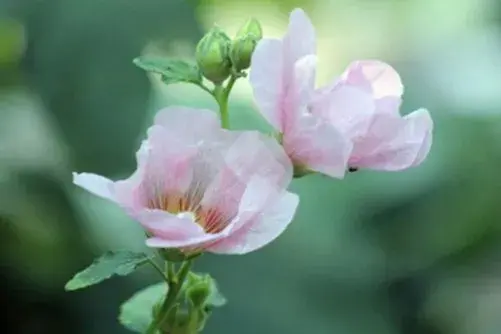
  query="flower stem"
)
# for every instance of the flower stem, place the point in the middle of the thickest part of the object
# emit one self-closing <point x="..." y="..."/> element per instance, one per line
<point x="175" y="286"/>
<point x="221" y="94"/>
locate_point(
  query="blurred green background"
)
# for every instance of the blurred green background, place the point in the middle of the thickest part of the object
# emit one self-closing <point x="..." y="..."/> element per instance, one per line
<point x="416" y="252"/>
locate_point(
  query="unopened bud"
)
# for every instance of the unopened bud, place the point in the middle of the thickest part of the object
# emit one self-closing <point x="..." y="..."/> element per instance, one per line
<point x="251" y="27"/>
<point x="241" y="52"/>
<point x="199" y="293"/>
<point x="213" y="55"/>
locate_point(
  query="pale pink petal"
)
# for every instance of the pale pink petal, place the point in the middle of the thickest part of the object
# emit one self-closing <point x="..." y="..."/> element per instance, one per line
<point x="169" y="165"/>
<point x="127" y="191"/>
<point x="95" y="184"/>
<point x="300" y="39"/>
<point x="300" y="91"/>
<point x="266" y="77"/>
<point x="258" y="230"/>
<point x="253" y="153"/>
<point x="223" y="194"/>
<point x="395" y="143"/>
<point x="173" y="231"/>
<point x="384" y="81"/>
<point x="348" y="108"/>
<point x="318" y="146"/>
<point x="422" y="122"/>
<point x="189" y="123"/>
<point x="389" y="105"/>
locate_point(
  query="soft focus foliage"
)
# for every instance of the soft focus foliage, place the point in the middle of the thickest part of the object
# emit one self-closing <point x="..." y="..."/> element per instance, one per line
<point x="409" y="252"/>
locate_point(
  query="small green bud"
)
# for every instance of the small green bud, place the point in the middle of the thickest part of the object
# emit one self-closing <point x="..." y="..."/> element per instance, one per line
<point x="199" y="293"/>
<point x="244" y="44"/>
<point x="241" y="52"/>
<point x="251" y="27"/>
<point x="213" y="55"/>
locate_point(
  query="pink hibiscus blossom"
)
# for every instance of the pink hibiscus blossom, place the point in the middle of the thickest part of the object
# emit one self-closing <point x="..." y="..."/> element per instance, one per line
<point x="198" y="187"/>
<point x="353" y="122"/>
<point x="383" y="139"/>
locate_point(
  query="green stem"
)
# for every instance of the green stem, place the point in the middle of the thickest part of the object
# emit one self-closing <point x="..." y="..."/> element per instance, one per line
<point x="222" y="94"/>
<point x="158" y="269"/>
<point x="175" y="286"/>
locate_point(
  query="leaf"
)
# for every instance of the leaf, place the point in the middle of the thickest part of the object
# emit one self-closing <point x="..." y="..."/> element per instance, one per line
<point x="136" y="313"/>
<point x="111" y="263"/>
<point x="171" y="70"/>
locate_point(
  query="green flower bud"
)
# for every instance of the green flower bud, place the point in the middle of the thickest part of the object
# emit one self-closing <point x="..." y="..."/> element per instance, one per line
<point x="251" y="27"/>
<point x="199" y="293"/>
<point x="244" y="44"/>
<point x="241" y="52"/>
<point x="213" y="55"/>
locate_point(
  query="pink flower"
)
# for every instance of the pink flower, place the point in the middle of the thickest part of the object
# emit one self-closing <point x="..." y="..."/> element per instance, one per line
<point x="282" y="77"/>
<point x="383" y="139"/>
<point x="198" y="187"/>
<point x="353" y="122"/>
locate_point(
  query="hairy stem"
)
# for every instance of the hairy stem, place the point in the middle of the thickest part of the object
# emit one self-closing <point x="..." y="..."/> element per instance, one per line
<point x="175" y="285"/>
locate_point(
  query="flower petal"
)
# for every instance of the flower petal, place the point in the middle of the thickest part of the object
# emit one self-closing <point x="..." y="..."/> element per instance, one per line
<point x="95" y="184"/>
<point x="188" y="123"/>
<point x="169" y="164"/>
<point x="348" y="108"/>
<point x="395" y="143"/>
<point x="300" y="39"/>
<point x="253" y="153"/>
<point x="383" y="79"/>
<point x="318" y="146"/>
<point x="128" y="193"/>
<point x="300" y="90"/>
<point x="171" y="231"/>
<point x="266" y="77"/>
<point x="275" y="212"/>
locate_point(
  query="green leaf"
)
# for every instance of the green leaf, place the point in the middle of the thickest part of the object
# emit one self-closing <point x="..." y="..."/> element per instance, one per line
<point x="136" y="313"/>
<point x="171" y="70"/>
<point x="111" y="263"/>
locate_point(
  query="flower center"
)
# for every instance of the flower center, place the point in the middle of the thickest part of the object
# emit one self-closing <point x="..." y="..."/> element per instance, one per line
<point x="211" y="219"/>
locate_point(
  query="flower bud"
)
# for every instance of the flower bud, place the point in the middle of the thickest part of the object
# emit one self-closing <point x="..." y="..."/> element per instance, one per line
<point x="251" y="27"/>
<point x="244" y="44"/>
<point x="213" y="55"/>
<point x="241" y="52"/>
<point x="199" y="293"/>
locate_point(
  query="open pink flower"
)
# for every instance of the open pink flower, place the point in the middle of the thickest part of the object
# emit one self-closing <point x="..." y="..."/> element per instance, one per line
<point x="383" y="139"/>
<point x="198" y="187"/>
<point x="282" y="77"/>
<point x="353" y="122"/>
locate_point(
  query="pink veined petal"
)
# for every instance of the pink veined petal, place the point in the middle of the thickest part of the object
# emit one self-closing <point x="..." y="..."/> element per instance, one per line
<point x="95" y="184"/>
<point x="266" y="78"/>
<point x="383" y="79"/>
<point x="172" y="231"/>
<point x="347" y="108"/>
<point x="300" y="39"/>
<point x="395" y="143"/>
<point x="190" y="123"/>
<point x="169" y="165"/>
<point x="319" y="146"/>
<point x="223" y="194"/>
<point x="262" y="228"/>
